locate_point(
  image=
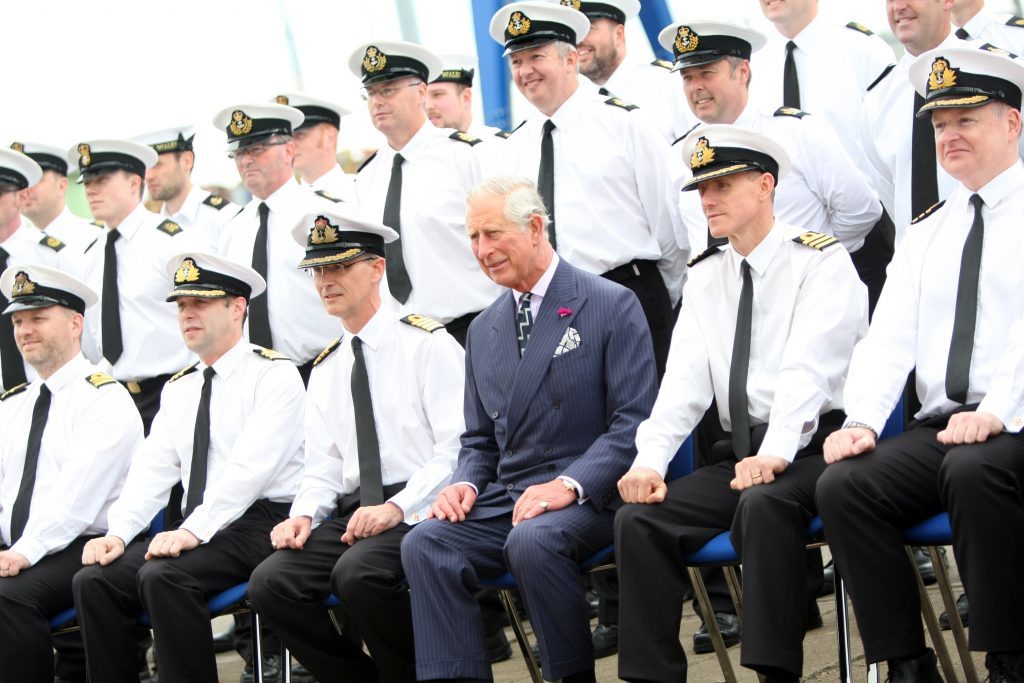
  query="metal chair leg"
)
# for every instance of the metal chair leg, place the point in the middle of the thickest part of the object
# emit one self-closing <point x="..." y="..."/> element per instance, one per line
<point x="932" y="622"/>
<point x="955" y="624"/>
<point x="286" y="665"/>
<point x="257" y="647"/>
<point x="873" y="672"/>
<point x="732" y="580"/>
<point x="712" y="624"/>
<point x="843" y="628"/>
<point x="520" y="633"/>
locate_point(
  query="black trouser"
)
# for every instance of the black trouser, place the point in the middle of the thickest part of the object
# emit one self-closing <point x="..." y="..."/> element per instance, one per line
<point x="644" y="279"/>
<point x="873" y="257"/>
<point x="288" y="590"/>
<point x="174" y="592"/>
<point x="865" y="502"/>
<point x="146" y="394"/>
<point x="27" y="603"/>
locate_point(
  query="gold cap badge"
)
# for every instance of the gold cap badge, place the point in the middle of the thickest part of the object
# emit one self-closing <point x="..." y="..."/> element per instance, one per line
<point x="686" y="40"/>
<point x="22" y="285"/>
<point x="374" y="60"/>
<point x="942" y="75"/>
<point x="282" y="99"/>
<point x="187" y="272"/>
<point x="323" y="232"/>
<point x="84" y="155"/>
<point x="575" y="4"/>
<point x="241" y="124"/>
<point x="518" y="24"/>
<point x="703" y="153"/>
<point x="18" y="147"/>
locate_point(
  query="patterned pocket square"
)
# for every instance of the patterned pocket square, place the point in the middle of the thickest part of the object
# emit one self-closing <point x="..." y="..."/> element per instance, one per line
<point x="570" y="340"/>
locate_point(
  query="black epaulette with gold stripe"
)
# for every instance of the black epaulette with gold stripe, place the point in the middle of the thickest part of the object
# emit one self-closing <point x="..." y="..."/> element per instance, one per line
<point x="881" y="76"/>
<point x="621" y="104"/>
<point x="465" y="137"/>
<point x="860" y="28"/>
<point x="181" y="373"/>
<point x="422" y="322"/>
<point x="270" y="354"/>
<point x="663" y="63"/>
<point x="505" y="134"/>
<point x="790" y="111"/>
<point x="100" y="379"/>
<point x="1015" y="21"/>
<point x="328" y="196"/>
<point x="366" y="161"/>
<point x="816" y="240"/>
<point x="216" y="201"/>
<point x="710" y="251"/>
<point x="327" y="351"/>
<point x="170" y="227"/>
<point x="14" y="391"/>
<point x="928" y="212"/>
<point x="52" y="242"/>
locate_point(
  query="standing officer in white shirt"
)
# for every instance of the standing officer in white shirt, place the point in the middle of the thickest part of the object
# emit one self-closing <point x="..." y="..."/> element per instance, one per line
<point x="316" y="146"/>
<point x="65" y="447"/>
<point x="449" y="101"/>
<point x="383" y="421"/>
<point x="776" y="367"/>
<point x="169" y="181"/>
<point x="973" y="22"/>
<point x="230" y="430"/>
<point x="951" y="311"/>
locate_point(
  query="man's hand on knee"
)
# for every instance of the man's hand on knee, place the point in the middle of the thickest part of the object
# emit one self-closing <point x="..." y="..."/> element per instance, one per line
<point x="171" y="543"/>
<point x="969" y="427"/>
<point x="454" y="502"/>
<point x="848" y="443"/>
<point x="291" y="533"/>
<point x="102" y="551"/>
<point x="12" y="562"/>
<point x="642" y="485"/>
<point x="757" y="469"/>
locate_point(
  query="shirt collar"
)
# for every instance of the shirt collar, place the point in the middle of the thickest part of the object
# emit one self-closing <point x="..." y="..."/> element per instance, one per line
<point x="226" y="364"/>
<point x="975" y="26"/>
<point x="541" y="288"/>
<point x="334" y="172"/>
<point x="1006" y="184"/>
<point x="375" y="330"/>
<point x="568" y="111"/>
<point x="189" y="208"/>
<point x="761" y="256"/>
<point x="131" y="223"/>
<point x="807" y="36"/>
<point x="418" y="142"/>
<point x="280" y="200"/>
<point x="77" y="367"/>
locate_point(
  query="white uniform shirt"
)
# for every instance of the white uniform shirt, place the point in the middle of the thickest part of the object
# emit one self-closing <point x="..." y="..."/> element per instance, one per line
<point x="149" y="324"/>
<point x="416" y="381"/>
<point x="336" y="183"/>
<point x="90" y="437"/>
<point x="658" y="91"/>
<point x="610" y="184"/>
<point x="913" y="322"/>
<point x="256" y="408"/>
<point x="809" y="308"/>
<point x="298" y="323"/>
<point x="437" y="174"/>
<point x="823" y="190"/>
<point x="990" y="27"/>
<point x="198" y="213"/>
<point x="75" y="232"/>
<point x="834" y="66"/>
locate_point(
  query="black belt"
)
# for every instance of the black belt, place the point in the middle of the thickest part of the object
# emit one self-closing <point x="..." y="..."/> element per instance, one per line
<point x="140" y="386"/>
<point x="630" y="271"/>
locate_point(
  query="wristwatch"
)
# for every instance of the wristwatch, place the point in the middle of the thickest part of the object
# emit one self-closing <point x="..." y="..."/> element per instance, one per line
<point x="871" y="429"/>
<point x="568" y="486"/>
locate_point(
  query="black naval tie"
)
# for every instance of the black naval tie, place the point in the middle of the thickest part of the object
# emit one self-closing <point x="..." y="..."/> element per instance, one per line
<point x="200" y="446"/>
<point x="259" y="310"/>
<point x="398" y="277"/>
<point x="110" y="308"/>
<point x="12" y="368"/>
<point x="738" y="403"/>
<point x="371" y="484"/>
<point x="924" y="183"/>
<point x="546" y="178"/>
<point x="603" y="91"/>
<point x="790" y="84"/>
<point x="962" y="34"/>
<point x="524" y="322"/>
<point x="19" y="513"/>
<point x="961" y="346"/>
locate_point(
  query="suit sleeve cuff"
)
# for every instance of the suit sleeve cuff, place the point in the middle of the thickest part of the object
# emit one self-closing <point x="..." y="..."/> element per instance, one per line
<point x="652" y="461"/>
<point x="581" y="497"/>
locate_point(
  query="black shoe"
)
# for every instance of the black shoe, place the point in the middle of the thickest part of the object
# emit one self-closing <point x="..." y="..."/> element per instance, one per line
<point x="813" y="618"/>
<point x="828" y="580"/>
<point x="922" y="669"/>
<point x="961" y="608"/>
<point x="224" y="641"/>
<point x="728" y="624"/>
<point x="924" y="563"/>
<point x="498" y="647"/>
<point x="606" y="640"/>
<point x="271" y="670"/>
<point x="1005" y="667"/>
<point x="593" y="602"/>
<point x="300" y="674"/>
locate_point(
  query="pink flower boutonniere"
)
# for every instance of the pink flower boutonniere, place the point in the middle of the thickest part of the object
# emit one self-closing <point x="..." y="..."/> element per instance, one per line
<point x="562" y="312"/>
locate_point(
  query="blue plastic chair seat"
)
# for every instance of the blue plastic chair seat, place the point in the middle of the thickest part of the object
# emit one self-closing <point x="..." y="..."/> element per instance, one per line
<point x="331" y="601"/>
<point x="719" y="550"/>
<point x="63" y="619"/>
<point x="216" y="604"/>
<point x="932" y="531"/>
<point x="506" y="580"/>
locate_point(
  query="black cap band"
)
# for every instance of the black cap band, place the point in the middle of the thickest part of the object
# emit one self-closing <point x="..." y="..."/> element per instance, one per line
<point x="180" y="144"/>
<point x="601" y="10"/>
<point x="105" y="162"/>
<point x="211" y="285"/>
<point x="711" y="49"/>
<point x="972" y="90"/>
<point x="11" y="177"/>
<point x="49" y="162"/>
<point x="326" y="244"/>
<point x="730" y="160"/>
<point x="460" y="76"/>
<point x="539" y="32"/>
<point x="378" y="67"/>
<point x="245" y="130"/>
<point x="41" y="297"/>
<point x="315" y="114"/>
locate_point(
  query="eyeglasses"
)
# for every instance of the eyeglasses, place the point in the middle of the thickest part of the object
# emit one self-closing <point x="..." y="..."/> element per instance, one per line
<point x="338" y="268"/>
<point x="255" y="150"/>
<point x="386" y="92"/>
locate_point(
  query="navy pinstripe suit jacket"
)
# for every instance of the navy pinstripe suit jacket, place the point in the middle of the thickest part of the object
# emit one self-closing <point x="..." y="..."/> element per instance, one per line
<point x="533" y="419"/>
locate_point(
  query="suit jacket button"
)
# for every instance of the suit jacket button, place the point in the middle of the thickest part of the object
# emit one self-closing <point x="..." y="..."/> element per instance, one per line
<point x="509" y="487"/>
<point x="556" y="404"/>
<point x="494" y="415"/>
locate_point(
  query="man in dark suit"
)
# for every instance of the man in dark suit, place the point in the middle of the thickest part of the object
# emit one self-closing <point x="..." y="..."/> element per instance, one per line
<point x="559" y="373"/>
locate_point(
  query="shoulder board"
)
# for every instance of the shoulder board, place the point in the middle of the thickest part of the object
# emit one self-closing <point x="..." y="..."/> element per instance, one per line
<point x="52" y="243"/>
<point x="790" y="111"/>
<point x="181" y="373"/>
<point x="816" y="240"/>
<point x="881" y="77"/>
<point x="710" y="251"/>
<point x="684" y="135"/>
<point x="465" y="137"/>
<point x="366" y="161"/>
<point x="989" y="47"/>
<point x="270" y="354"/>
<point x="1015" y="21"/>
<point x="621" y="104"/>
<point x="928" y="212"/>
<point x="170" y="227"/>
<point x="422" y="322"/>
<point x="216" y="201"/>
<point x="663" y="63"/>
<point x="328" y="196"/>
<point x="504" y="134"/>
<point x="99" y="224"/>
<point x="14" y="391"/>
<point x="327" y="351"/>
<point x="100" y="379"/>
<point x="860" y="27"/>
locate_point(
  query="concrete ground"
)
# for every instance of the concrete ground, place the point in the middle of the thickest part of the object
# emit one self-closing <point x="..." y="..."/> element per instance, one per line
<point x="820" y="652"/>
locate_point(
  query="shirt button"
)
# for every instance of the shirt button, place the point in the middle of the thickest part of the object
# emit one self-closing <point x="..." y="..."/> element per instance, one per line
<point x="494" y="415"/>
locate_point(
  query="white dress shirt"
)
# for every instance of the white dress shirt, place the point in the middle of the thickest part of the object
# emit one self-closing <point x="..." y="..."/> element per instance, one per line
<point x="90" y="437"/>
<point x="197" y="214"/>
<point x="823" y="191"/>
<point x="256" y="408"/>
<point x="610" y="183"/>
<point x="298" y="323"/>
<point x="913" y="322"/>
<point x="809" y="309"/>
<point x="75" y="232"/>
<point x="437" y="174"/>
<point x="992" y="27"/>
<point x="336" y="183"/>
<point x="416" y="382"/>
<point x="834" y="66"/>
<point x="657" y="91"/>
<point x="539" y="290"/>
<point x="149" y="324"/>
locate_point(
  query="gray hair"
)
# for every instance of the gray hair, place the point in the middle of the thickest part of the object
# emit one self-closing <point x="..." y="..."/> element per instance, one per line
<point x="521" y="199"/>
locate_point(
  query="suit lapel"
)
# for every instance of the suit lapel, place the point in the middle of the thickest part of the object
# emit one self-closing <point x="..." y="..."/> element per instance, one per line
<point x="504" y="340"/>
